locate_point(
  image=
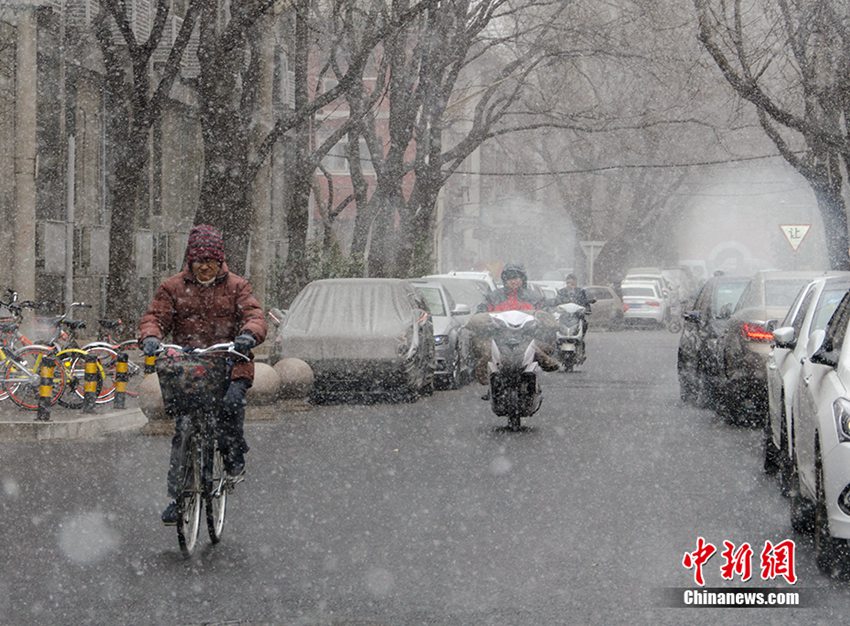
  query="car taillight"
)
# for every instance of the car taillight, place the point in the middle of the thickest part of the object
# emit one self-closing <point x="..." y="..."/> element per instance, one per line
<point x="625" y="307"/>
<point x="653" y="303"/>
<point x="755" y="332"/>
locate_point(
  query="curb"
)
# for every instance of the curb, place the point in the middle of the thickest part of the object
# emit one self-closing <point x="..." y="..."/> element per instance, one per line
<point x="88" y="427"/>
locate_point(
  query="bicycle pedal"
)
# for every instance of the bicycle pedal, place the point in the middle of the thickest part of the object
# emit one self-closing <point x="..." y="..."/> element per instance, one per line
<point x="232" y="481"/>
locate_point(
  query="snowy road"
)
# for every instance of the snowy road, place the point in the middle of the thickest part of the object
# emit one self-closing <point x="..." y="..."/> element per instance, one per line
<point x="417" y="513"/>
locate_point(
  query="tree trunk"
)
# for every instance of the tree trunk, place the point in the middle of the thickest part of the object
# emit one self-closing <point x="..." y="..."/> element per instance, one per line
<point x="130" y="166"/>
<point x="833" y="211"/>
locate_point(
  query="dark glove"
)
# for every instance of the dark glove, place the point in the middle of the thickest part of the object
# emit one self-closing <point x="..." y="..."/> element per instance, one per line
<point x="235" y="396"/>
<point x="150" y="345"/>
<point x="244" y="342"/>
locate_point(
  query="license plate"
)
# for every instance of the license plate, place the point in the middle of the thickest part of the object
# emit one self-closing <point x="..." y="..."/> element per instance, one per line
<point x="568" y="347"/>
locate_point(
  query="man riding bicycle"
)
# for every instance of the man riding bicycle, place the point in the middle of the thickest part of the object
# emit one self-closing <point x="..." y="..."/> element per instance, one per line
<point x="202" y="305"/>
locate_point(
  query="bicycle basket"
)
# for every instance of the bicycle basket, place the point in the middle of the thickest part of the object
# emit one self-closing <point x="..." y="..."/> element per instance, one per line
<point x="183" y="374"/>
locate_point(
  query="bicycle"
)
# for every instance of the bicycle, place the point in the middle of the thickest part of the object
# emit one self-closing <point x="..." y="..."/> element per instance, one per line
<point x="106" y="344"/>
<point x="20" y="369"/>
<point x="190" y="378"/>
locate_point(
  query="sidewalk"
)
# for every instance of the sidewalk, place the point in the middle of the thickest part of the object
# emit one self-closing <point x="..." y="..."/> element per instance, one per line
<point x="17" y="424"/>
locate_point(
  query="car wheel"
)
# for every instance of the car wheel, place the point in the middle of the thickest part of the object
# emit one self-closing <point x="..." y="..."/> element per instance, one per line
<point x="770" y="451"/>
<point x="705" y="394"/>
<point x="686" y="386"/>
<point x="455" y="376"/>
<point x="831" y="553"/>
<point x="801" y="509"/>
<point x="784" y="458"/>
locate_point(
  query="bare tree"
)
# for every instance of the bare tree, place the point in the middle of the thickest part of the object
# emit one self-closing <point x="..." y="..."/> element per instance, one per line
<point x="430" y="63"/>
<point x="133" y="104"/>
<point x="791" y="60"/>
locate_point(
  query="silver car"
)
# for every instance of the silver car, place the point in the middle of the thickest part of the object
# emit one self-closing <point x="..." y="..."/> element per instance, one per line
<point x="820" y="443"/>
<point x="810" y="312"/>
<point x="453" y="353"/>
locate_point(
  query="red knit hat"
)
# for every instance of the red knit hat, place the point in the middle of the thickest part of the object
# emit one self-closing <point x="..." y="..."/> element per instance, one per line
<point x="205" y="242"/>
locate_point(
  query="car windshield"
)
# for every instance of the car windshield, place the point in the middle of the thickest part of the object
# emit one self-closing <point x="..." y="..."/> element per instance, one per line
<point x="464" y="291"/>
<point x="728" y="294"/>
<point x="638" y="292"/>
<point x="598" y="293"/>
<point x="782" y="292"/>
<point x="829" y="300"/>
<point x="434" y="300"/>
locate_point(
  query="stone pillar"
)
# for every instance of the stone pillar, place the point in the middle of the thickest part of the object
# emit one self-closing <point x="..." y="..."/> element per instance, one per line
<point x="25" y="153"/>
<point x="259" y="260"/>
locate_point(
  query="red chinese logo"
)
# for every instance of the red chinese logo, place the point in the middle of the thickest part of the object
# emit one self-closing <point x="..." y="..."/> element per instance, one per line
<point x="698" y="558"/>
<point x="776" y="560"/>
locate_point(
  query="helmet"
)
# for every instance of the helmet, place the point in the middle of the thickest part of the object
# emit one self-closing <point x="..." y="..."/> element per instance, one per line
<point x="514" y="270"/>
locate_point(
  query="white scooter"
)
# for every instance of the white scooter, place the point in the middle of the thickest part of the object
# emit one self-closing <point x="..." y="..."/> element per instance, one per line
<point x="514" y="388"/>
<point x="569" y="339"/>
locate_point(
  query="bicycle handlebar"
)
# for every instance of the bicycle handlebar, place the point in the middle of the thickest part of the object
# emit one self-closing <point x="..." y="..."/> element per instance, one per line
<point x="222" y="348"/>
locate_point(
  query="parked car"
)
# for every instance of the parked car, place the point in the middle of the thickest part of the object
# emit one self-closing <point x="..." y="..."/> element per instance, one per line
<point x="454" y="361"/>
<point x="810" y="312"/>
<point x="361" y="334"/>
<point x="747" y="340"/>
<point x="557" y="275"/>
<point x="548" y="289"/>
<point x="468" y="291"/>
<point x="487" y="277"/>
<point x="820" y="443"/>
<point x="703" y="324"/>
<point x="607" y="310"/>
<point x="643" y="303"/>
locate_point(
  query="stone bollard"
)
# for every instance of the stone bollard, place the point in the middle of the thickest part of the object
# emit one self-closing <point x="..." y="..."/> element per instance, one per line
<point x="150" y="402"/>
<point x="296" y="383"/>
<point x="266" y="386"/>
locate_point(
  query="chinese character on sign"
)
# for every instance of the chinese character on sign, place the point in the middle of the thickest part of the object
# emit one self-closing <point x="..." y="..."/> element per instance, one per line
<point x="778" y="560"/>
<point x="736" y="561"/>
<point x="698" y="558"/>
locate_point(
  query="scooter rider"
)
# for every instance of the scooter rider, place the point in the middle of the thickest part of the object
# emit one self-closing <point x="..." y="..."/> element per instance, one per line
<point x="514" y="295"/>
<point x="571" y="292"/>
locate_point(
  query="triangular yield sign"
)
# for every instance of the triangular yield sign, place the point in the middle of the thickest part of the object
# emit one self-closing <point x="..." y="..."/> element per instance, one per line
<point x="795" y="233"/>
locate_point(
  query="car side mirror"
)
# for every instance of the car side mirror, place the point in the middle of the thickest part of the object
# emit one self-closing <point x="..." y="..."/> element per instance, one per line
<point x="820" y="350"/>
<point x="725" y="312"/>
<point x="692" y="316"/>
<point x="592" y="301"/>
<point x="785" y="337"/>
<point x="461" y="309"/>
<point x="277" y="316"/>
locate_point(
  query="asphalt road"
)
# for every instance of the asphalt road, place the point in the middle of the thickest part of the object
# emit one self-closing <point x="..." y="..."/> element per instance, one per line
<point x="425" y="513"/>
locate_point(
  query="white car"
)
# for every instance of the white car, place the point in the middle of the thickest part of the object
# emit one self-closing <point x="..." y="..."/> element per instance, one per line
<point x="485" y="276"/>
<point x="810" y="311"/>
<point x="820" y="443"/>
<point x="643" y="302"/>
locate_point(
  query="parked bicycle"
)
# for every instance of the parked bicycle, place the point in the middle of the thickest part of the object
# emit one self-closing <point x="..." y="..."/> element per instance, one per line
<point x="62" y="346"/>
<point x="192" y="380"/>
<point x="20" y="367"/>
<point x="108" y="347"/>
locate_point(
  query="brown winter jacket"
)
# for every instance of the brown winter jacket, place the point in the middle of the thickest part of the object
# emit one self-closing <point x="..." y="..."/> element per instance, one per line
<point x="199" y="316"/>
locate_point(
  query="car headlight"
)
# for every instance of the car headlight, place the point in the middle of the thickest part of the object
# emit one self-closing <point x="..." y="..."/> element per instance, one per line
<point x="441" y="339"/>
<point x="841" y="412"/>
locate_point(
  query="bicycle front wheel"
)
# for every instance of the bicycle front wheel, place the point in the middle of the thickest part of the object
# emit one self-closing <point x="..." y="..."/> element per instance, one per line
<point x="189" y="500"/>
<point x="216" y="495"/>
<point x="73" y="361"/>
<point x="22" y="377"/>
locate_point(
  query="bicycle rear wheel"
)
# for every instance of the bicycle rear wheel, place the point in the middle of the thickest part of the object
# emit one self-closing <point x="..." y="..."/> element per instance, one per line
<point x="215" y="498"/>
<point x="21" y="377"/>
<point x="189" y="500"/>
